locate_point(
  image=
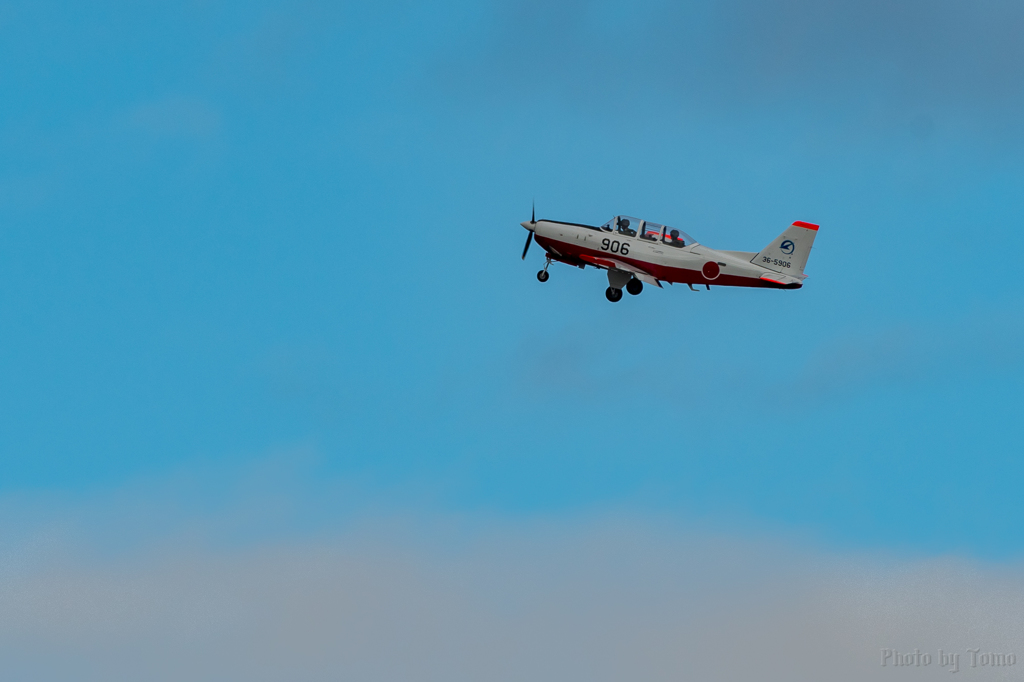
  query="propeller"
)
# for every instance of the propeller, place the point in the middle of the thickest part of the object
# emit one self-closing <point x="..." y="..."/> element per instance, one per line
<point x="529" y="236"/>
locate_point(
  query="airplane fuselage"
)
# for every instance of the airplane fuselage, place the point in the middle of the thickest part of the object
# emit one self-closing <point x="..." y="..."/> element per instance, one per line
<point x="658" y="257"/>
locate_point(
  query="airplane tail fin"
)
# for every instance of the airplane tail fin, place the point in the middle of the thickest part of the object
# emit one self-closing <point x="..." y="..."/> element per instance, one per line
<point x="789" y="251"/>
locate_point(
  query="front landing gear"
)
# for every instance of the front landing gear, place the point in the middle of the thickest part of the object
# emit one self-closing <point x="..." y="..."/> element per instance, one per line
<point x="612" y="294"/>
<point x="543" y="275"/>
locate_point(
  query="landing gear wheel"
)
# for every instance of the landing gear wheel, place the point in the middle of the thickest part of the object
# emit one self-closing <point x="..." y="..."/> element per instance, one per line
<point x="613" y="295"/>
<point x="634" y="286"/>
<point x="543" y="275"/>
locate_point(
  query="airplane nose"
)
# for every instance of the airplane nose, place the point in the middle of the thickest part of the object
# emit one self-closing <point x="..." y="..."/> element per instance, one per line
<point x="528" y="225"/>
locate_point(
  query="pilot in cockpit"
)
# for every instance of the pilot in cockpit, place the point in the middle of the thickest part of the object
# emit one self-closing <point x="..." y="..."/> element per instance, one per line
<point x="676" y="240"/>
<point x="623" y="227"/>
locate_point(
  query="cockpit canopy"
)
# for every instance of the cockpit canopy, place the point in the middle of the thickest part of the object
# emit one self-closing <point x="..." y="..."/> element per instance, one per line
<point x="655" y="232"/>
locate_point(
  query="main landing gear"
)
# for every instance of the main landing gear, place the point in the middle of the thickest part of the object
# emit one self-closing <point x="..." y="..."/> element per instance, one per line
<point x="617" y="280"/>
<point x="614" y="294"/>
<point x="543" y="275"/>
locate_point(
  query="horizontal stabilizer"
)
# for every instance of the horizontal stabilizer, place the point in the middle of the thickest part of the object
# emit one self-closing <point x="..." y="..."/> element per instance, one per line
<point x="784" y="280"/>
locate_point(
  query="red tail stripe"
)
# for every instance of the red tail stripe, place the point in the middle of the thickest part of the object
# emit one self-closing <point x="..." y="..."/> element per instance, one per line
<point x="809" y="226"/>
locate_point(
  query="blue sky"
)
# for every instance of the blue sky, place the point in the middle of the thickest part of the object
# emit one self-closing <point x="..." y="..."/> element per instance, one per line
<point x="277" y="390"/>
<point x="246" y="237"/>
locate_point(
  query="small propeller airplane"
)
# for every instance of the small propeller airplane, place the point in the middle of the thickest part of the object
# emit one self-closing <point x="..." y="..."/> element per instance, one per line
<point x="635" y="252"/>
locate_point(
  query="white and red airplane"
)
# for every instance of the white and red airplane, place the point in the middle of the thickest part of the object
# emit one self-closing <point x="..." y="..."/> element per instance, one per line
<point x="635" y="251"/>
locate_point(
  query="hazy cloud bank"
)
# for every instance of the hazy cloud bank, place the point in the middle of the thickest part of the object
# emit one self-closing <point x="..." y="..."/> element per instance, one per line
<point x="457" y="600"/>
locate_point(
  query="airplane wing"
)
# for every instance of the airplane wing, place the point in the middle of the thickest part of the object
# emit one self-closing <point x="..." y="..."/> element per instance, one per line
<point x="597" y="262"/>
<point x="615" y="264"/>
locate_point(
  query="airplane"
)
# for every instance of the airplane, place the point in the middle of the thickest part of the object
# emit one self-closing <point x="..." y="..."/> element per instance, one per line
<point x="635" y="252"/>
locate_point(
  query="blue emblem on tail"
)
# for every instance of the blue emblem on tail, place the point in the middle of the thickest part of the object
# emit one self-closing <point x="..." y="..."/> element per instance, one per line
<point x="787" y="247"/>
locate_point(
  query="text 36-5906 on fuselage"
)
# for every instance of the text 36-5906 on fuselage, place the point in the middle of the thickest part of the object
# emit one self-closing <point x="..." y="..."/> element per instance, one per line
<point x="636" y="251"/>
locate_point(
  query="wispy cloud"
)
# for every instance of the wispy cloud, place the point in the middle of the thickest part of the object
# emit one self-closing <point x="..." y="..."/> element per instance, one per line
<point x="176" y="116"/>
<point x="971" y="346"/>
<point x="912" y="354"/>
